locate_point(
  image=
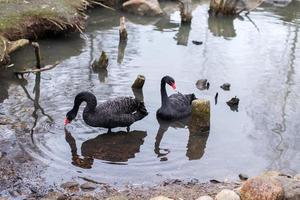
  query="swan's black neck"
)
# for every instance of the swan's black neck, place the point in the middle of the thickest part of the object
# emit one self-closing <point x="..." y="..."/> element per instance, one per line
<point x="89" y="98"/>
<point x="164" y="96"/>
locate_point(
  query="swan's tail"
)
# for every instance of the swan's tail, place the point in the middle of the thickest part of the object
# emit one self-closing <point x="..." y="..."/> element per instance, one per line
<point x="141" y="112"/>
<point x="191" y="97"/>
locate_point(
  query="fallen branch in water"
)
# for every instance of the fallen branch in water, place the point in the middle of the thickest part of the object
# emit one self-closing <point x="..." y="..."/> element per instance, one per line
<point x="47" y="67"/>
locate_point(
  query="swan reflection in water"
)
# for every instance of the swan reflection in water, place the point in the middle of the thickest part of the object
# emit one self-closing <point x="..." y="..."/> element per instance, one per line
<point x="115" y="147"/>
<point x="197" y="138"/>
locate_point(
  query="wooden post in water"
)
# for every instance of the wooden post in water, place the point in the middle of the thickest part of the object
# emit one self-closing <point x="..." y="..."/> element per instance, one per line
<point x="186" y="11"/>
<point x="36" y="47"/>
<point x="139" y="82"/>
<point x="123" y="31"/>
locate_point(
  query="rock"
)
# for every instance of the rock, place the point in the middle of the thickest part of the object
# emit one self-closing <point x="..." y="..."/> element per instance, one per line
<point x="197" y="42"/>
<point x="273" y="174"/>
<point x="262" y="187"/>
<point x="88" y="186"/>
<point x="233" y="103"/>
<point x="69" y="185"/>
<point x="201" y="84"/>
<point x="243" y="177"/>
<point x="160" y="198"/>
<point x="205" y="198"/>
<point x="63" y="197"/>
<point x="117" y="198"/>
<point x="225" y="86"/>
<point x="142" y="7"/>
<point x="291" y="188"/>
<point x="227" y="195"/>
<point x="297" y="177"/>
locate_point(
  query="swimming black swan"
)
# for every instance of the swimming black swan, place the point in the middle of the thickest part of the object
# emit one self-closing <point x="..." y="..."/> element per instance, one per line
<point x="118" y="112"/>
<point x="176" y="106"/>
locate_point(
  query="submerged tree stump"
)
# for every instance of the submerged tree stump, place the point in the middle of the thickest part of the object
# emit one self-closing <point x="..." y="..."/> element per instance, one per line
<point x="123" y="32"/>
<point x="102" y="63"/>
<point x="186" y="11"/>
<point x="139" y="82"/>
<point x="200" y="120"/>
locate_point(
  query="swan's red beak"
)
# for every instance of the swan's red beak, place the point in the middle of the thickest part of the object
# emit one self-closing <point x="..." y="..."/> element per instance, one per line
<point x="66" y="121"/>
<point x="173" y="85"/>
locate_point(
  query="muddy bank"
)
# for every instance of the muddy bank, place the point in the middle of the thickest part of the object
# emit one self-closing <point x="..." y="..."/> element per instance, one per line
<point x="39" y="18"/>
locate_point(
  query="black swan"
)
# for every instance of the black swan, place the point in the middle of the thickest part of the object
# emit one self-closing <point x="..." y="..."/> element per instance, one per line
<point x="176" y="106"/>
<point x="118" y="112"/>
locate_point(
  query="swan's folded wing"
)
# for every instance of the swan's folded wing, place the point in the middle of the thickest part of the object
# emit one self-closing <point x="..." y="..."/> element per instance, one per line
<point x="120" y="105"/>
<point x="179" y="102"/>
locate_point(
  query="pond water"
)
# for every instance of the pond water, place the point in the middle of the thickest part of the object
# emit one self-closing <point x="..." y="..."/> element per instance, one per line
<point x="258" y="55"/>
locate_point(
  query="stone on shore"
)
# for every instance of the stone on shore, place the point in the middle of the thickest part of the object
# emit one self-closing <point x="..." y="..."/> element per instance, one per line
<point x="160" y="198"/>
<point x="205" y="198"/>
<point x="262" y="187"/>
<point x="69" y="185"/>
<point x="88" y="186"/>
<point x="291" y="188"/>
<point x="297" y="177"/>
<point x="227" y="195"/>
<point x="142" y="7"/>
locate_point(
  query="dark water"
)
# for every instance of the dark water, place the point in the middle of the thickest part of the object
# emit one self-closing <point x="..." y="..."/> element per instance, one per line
<point x="259" y="56"/>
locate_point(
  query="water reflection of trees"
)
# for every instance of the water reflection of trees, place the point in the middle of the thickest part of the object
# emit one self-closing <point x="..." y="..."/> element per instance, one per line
<point x="114" y="147"/>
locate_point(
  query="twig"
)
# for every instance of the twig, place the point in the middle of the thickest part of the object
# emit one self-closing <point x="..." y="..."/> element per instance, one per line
<point x="47" y="67"/>
<point x="101" y="4"/>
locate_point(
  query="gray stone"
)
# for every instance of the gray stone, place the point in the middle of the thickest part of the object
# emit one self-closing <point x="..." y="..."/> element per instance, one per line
<point x="291" y="188"/>
<point x="297" y="177"/>
<point x="69" y="185"/>
<point x="88" y="186"/>
<point x="227" y="195"/>
<point x="205" y="198"/>
<point x="160" y="198"/>
<point x="243" y="177"/>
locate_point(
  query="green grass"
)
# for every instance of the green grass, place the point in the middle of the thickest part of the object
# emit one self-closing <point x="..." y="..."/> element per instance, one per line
<point x="17" y="15"/>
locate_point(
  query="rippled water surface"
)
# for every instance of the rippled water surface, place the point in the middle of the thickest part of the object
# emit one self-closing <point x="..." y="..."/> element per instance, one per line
<point x="259" y="56"/>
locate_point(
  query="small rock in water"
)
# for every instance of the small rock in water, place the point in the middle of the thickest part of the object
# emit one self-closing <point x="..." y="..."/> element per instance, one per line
<point x="225" y="86"/>
<point x="214" y="181"/>
<point x="233" y="103"/>
<point x="227" y="195"/>
<point x="160" y="198"/>
<point x="243" y="177"/>
<point x="202" y="84"/>
<point x="262" y="187"/>
<point x="88" y="186"/>
<point x="197" y="42"/>
<point x="69" y="185"/>
<point x="205" y="198"/>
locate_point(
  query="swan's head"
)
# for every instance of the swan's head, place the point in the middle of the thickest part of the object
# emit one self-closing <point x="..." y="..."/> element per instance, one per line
<point x="70" y="116"/>
<point x="170" y="81"/>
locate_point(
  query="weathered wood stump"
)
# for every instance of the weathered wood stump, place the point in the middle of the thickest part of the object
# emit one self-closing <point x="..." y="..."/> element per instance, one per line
<point x="200" y="120"/>
<point x="139" y="82"/>
<point x="37" y="53"/>
<point x="185" y="7"/>
<point x="102" y="63"/>
<point x="122" y="31"/>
